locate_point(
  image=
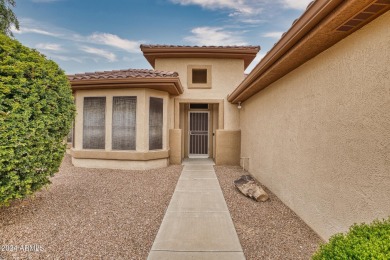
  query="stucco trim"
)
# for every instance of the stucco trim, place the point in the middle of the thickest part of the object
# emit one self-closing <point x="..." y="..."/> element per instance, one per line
<point x="179" y="101"/>
<point x="171" y="85"/>
<point x="314" y="32"/>
<point x="119" y="155"/>
<point x="191" y="85"/>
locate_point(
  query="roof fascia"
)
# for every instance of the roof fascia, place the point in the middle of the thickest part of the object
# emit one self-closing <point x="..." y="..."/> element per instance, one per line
<point x="320" y="17"/>
<point x="153" y="53"/>
<point x="170" y="85"/>
<point x="309" y="19"/>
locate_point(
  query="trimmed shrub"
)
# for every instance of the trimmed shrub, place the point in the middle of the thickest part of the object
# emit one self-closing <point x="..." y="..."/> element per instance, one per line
<point x="364" y="241"/>
<point x="36" y="111"/>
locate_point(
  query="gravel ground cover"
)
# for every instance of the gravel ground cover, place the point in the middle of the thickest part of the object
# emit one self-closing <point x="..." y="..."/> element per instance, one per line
<point x="89" y="214"/>
<point x="267" y="230"/>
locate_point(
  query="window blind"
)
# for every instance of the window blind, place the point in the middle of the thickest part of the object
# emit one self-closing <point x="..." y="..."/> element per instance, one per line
<point x="69" y="138"/>
<point x="94" y="118"/>
<point x="155" y="123"/>
<point x="124" y="123"/>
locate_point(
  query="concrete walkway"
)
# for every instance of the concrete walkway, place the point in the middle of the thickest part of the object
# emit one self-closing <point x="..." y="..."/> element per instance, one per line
<point x="197" y="223"/>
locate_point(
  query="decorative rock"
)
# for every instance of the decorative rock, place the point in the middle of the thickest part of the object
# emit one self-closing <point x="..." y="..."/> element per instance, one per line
<point x="247" y="185"/>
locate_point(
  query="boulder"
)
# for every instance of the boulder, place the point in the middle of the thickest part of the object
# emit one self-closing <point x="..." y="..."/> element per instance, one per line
<point x="247" y="185"/>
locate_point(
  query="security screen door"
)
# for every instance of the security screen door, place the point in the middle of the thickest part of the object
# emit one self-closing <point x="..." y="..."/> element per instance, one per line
<point x="198" y="134"/>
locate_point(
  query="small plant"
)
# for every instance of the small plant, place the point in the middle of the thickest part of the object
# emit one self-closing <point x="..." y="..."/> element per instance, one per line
<point x="364" y="241"/>
<point x="36" y="111"/>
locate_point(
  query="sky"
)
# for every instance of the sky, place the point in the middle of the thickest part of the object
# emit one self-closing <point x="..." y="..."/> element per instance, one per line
<point x="100" y="35"/>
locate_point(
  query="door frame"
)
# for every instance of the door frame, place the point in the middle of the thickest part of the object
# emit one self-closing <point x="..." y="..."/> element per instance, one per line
<point x="208" y="135"/>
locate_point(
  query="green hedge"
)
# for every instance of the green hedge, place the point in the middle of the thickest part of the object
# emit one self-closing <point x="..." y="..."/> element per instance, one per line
<point x="364" y="241"/>
<point x="36" y="111"/>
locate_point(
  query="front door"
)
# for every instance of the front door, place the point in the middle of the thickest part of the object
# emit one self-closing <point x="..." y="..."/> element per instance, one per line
<point x="198" y="134"/>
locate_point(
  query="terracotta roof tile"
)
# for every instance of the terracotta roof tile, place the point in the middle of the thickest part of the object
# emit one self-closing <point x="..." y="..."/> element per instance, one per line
<point x="208" y="47"/>
<point x="123" y="74"/>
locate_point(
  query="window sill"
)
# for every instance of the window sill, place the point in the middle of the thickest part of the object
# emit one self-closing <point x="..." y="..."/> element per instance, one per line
<point x="119" y="155"/>
<point x="199" y="85"/>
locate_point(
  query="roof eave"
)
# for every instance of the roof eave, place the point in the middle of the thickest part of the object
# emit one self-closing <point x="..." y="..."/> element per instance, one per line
<point x="315" y="12"/>
<point x="153" y="53"/>
<point x="307" y="27"/>
<point x="171" y="85"/>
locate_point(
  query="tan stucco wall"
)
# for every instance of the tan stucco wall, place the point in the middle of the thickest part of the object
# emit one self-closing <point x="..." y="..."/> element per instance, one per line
<point x="319" y="138"/>
<point x="228" y="147"/>
<point x="119" y="164"/>
<point x="175" y="146"/>
<point x="226" y="75"/>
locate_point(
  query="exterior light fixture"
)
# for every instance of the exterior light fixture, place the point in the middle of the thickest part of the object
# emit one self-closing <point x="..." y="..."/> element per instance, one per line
<point x="239" y="105"/>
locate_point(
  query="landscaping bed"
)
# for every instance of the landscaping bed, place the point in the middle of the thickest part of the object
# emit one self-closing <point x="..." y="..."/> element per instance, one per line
<point x="267" y="230"/>
<point x="89" y="214"/>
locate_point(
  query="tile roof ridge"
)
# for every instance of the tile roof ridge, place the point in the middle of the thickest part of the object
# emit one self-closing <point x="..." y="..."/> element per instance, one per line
<point x="198" y="46"/>
<point x="124" y="73"/>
